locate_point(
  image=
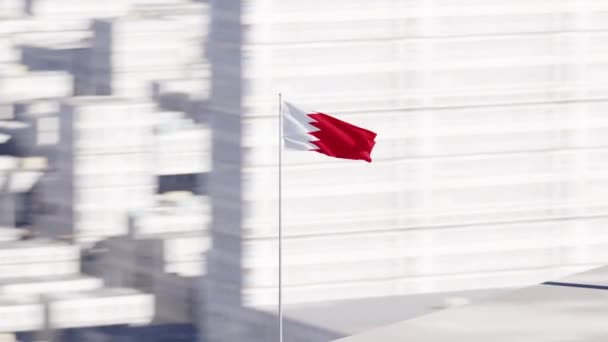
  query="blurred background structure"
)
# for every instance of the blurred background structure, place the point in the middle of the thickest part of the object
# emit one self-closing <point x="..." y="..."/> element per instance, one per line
<point x="105" y="159"/>
<point x="138" y="167"/>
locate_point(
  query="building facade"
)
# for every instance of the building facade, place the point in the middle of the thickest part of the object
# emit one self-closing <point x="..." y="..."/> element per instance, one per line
<point x="488" y="167"/>
<point x="106" y="169"/>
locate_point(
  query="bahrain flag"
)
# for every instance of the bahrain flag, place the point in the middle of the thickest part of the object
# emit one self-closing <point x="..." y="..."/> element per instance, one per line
<point x="319" y="132"/>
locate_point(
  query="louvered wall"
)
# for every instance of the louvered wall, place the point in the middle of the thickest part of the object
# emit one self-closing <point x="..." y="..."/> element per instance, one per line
<point x="490" y="167"/>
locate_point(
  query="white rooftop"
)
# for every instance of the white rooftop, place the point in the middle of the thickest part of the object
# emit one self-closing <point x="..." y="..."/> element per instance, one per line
<point x="571" y="309"/>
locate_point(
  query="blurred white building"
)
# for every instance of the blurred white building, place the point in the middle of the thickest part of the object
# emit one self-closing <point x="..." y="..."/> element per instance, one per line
<point x="151" y="44"/>
<point x="105" y="169"/>
<point x="42" y="290"/>
<point x="164" y="254"/>
<point x="16" y="85"/>
<point x="489" y="167"/>
<point x="105" y="156"/>
<point x="182" y="147"/>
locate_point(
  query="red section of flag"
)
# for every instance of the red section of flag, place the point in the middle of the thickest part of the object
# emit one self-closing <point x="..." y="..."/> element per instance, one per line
<point x="340" y="139"/>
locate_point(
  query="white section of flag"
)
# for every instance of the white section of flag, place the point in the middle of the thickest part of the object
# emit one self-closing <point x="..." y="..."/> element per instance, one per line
<point x="296" y="128"/>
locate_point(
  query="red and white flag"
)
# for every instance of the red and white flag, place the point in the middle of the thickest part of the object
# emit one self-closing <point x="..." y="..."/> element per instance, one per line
<point x="319" y="132"/>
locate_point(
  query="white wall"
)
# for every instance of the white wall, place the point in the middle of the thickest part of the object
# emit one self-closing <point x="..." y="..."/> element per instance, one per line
<point x="491" y="131"/>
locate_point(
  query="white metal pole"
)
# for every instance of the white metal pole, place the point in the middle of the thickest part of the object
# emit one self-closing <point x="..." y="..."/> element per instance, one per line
<point x="280" y="134"/>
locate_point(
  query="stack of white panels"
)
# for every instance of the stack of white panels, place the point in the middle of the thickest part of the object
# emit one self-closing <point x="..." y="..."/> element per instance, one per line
<point x="49" y="48"/>
<point x="164" y="254"/>
<point x="37" y="258"/>
<point x="182" y="147"/>
<point x="16" y="85"/>
<point x="96" y="307"/>
<point x="51" y="284"/>
<point x="145" y="249"/>
<point x="20" y="313"/>
<point x="181" y="255"/>
<point x="74" y="14"/>
<point x="100" y="307"/>
<point x="106" y="162"/>
<point x="194" y="16"/>
<point x="32" y="270"/>
<point x="128" y="54"/>
<point x="173" y="237"/>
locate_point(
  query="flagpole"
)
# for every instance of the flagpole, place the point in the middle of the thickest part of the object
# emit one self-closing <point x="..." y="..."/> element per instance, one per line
<point x="280" y="134"/>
